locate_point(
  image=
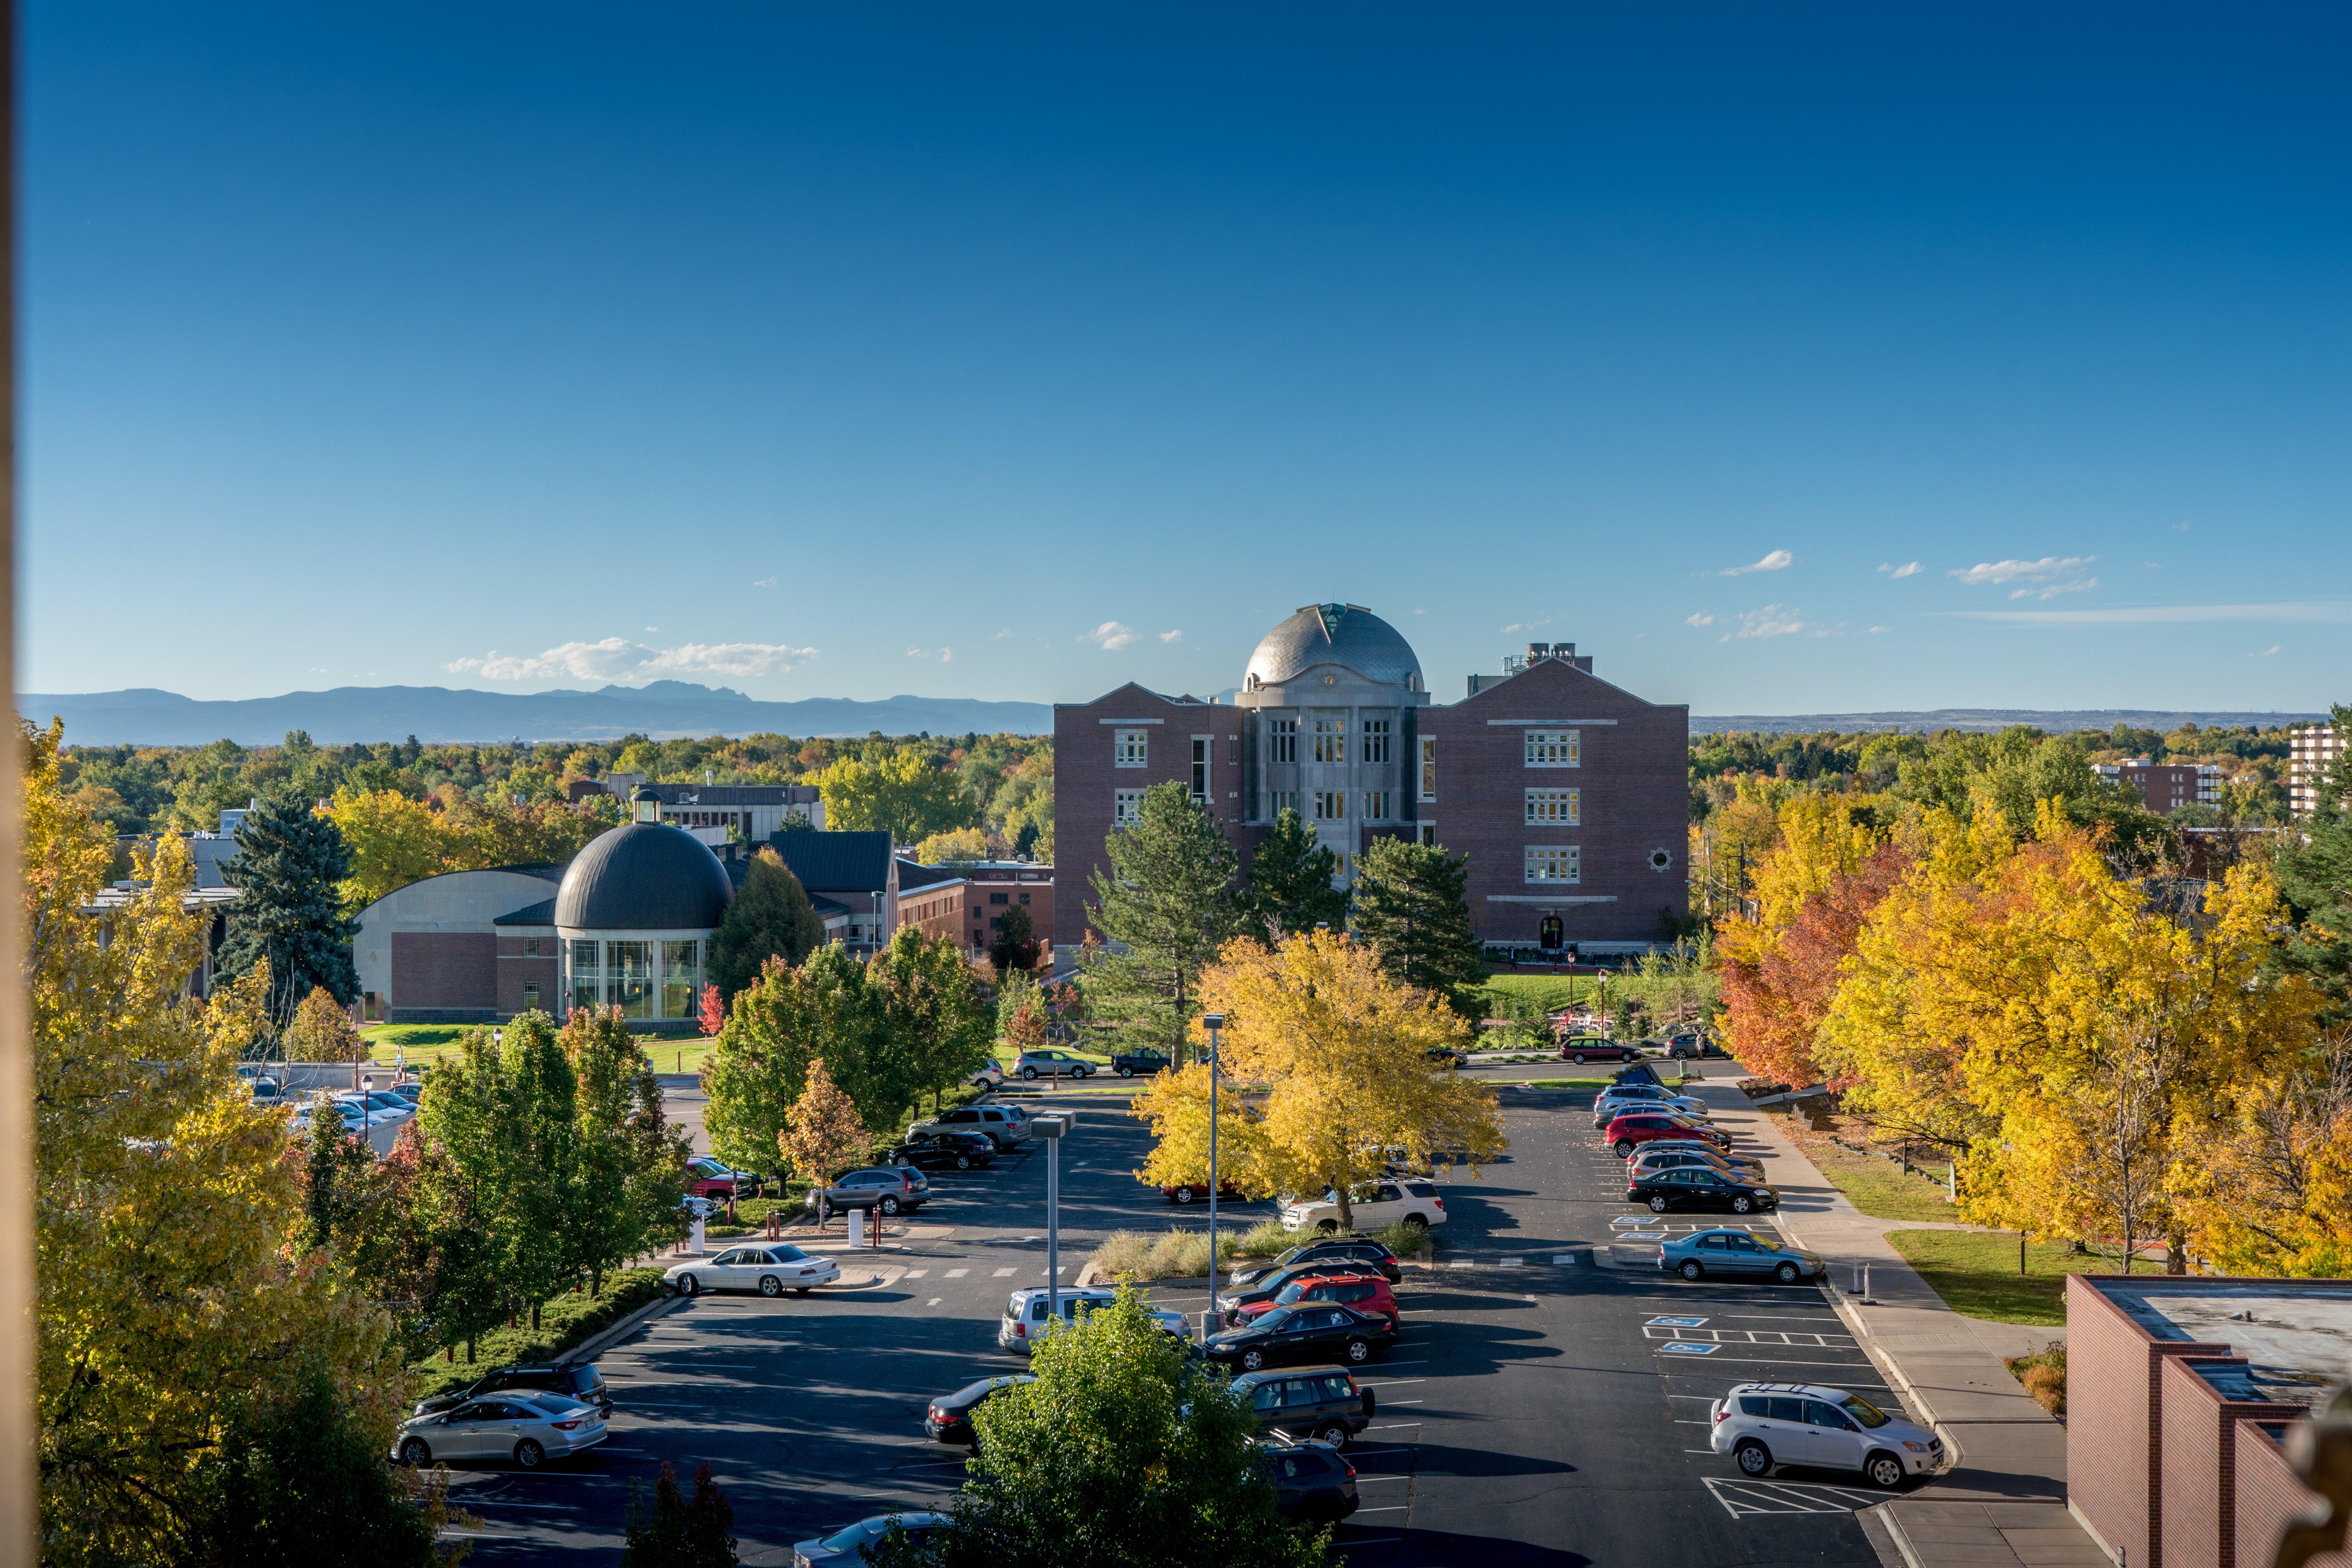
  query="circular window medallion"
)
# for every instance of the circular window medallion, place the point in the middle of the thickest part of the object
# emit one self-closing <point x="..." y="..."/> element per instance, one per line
<point x="1327" y="680"/>
<point x="1659" y="859"/>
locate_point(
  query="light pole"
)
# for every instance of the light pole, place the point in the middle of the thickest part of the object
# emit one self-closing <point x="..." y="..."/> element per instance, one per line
<point x="1214" y="1023"/>
<point x="1053" y="1130"/>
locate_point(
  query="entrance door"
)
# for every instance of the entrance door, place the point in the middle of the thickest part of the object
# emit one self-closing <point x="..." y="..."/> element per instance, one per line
<point x="1549" y="935"/>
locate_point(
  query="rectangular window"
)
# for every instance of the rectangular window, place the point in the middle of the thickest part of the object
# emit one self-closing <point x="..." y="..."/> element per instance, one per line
<point x="1000" y="898"/>
<point x="1429" y="767"/>
<point x="587" y="976"/>
<point x="1340" y="865"/>
<point x="1284" y="734"/>
<point x="1553" y="863"/>
<point x="1425" y="832"/>
<point x="1556" y="805"/>
<point x="530" y="947"/>
<point x="1126" y="805"/>
<point x="1200" y="767"/>
<point x="1331" y="805"/>
<point x="681" y="978"/>
<point x="1024" y="898"/>
<point x="1376" y="805"/>
<point x="630" y="966"/>
<point x="1555" y="749"/>
<point x="530" y="996"/>
<point x="1131" y="747"/>
<point x="1285" y="800"/>
<point x="1376" y="739"/>
<point x="1330" y="740"/>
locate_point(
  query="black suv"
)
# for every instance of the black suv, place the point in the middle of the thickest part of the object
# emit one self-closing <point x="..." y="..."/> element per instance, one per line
<point x="1318" y="1402"/>
<point x="1311" y="1482"/>
<point x="944" y="1152"/>
<point x="573" y="1380"/>
<point x="1365" y="1255"/>
<point x="1147" y="1061"/>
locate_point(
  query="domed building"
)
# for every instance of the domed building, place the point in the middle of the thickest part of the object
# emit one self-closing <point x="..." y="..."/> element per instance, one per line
<point x="1567" y="794"/>
<point x="634" y="917"/>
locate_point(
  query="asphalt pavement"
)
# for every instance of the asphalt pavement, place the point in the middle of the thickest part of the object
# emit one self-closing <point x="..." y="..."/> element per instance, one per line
<point x="1539" y="1408"/>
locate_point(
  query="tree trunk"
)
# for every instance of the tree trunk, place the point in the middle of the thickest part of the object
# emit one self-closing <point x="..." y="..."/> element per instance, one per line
<point x="1347" y="1210"/>
<point x="469" y="1352"/>
<point x="2176" y="1255"/>
<point x="596" y="1281"/>
<point x="534" y="1317"/>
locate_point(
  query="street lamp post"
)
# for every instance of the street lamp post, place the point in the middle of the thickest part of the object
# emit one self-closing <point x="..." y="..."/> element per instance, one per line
<point x="1215" y="1023"/>
<point x="1053" y="1130"/>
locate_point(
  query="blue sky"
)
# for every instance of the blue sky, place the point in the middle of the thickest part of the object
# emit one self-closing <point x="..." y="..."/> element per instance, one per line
<point x="1018" y="351"/>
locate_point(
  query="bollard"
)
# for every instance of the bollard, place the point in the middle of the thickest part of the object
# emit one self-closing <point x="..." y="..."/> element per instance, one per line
<point x="1855" y="1289"/>
<point x="857" y="1228"/>
<point x="1865" y="1287"/>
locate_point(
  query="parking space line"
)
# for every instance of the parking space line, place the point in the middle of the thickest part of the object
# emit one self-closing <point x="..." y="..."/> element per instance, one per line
<point x="1006" y="1273"/>
<point x="957" y="1273"/>
<point x="916" y="1273"/>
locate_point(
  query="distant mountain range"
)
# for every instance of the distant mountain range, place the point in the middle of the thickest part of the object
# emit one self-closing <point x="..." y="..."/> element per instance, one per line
<point x="2057" y="721"/>
<point x="662" y="709"/>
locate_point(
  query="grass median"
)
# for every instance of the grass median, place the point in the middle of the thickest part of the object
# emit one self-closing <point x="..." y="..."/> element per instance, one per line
<point x="564" y="1322"/>
<point x="1975" y="1273"/>
<point x="1877" y="1185"/>
<point x="1181" y="1254"/>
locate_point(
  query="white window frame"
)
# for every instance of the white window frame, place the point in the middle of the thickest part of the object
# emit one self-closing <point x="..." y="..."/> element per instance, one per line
<point x="1283" y="800"/>
<point x="1429" y="767"/>
<point x="1562" y="805"/>
<point x="1550" y="865"/>
<point x="1555" y="747"/>
<point x="1130" y="748"/>
<point x="1376" y="739"/>
<point x="1126" y="806"/>
<point x="1424" y="832"/>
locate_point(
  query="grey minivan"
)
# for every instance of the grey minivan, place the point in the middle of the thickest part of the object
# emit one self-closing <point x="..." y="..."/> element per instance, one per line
<point x="1318" y="1402"/>
<point x="1002" y="1123"/>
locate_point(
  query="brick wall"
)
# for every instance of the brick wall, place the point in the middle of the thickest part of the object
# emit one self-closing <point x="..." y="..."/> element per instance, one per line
<point x="2114" y="1421"/>
<point x="518" y="967"/>
<point x="2269" y="1499"/>
<point x="1086" y="777"/>
<point x="2193" y="1472"/>
<point x="444" y="971"/>
<point x="1634" y="798"/>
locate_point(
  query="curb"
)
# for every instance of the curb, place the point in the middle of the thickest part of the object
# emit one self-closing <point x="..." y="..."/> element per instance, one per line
<point x="1886" y="1363"/>
<point x="605" y="1337"/>
<point x="1882" y="1516"/>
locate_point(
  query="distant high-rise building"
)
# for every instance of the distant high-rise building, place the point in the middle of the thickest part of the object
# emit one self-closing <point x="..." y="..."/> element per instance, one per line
<point x="2313" y="750"/>
<point x="2167" y="786"/>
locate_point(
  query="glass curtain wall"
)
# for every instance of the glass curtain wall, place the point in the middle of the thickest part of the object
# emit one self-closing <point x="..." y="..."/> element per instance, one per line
<point x="601" y="974"/>
<point x="681" y="978"/>
<point x="585" y="983"/>
<point x="629" y="978"/>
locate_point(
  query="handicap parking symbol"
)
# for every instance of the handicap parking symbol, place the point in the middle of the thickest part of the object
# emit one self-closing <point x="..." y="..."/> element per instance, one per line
<point x="1677" y="1347"/>
<point x="1677" y="1323"/>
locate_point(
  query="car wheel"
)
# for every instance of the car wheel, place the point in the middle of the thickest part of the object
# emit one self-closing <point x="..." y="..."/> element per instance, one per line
<point x="1184" y="1194"/>
<point x="1360" y="1350"/>
<point x="1754" y="1458"/>
<point x="1334" y="1434"/>
<point x="1329" y="1227"/>
<point x="1126" y="1072"/>
<point x="1742" y="1204"/>
<point x="1030" y="1074"/>
<point x="1252" y="1359"/>
<point x="1578" y="1058"/>
<point x="771" y="1286"/>
<point x="1625" y="1147"/>
<point x="1786" y="1274"/>
<point x="963" y="1162"/>
<point x="688" y="1285"/>
<point x="529" y="1455"/>
<point x="414" y="1454"/>
<point x="1882" y="1470"/>
<point x="1657" y="1203"/>
<point x="1082" y="1072"/>
<point x="1416" y="1221"/>
<point x="1691" y="1269"/>
<point x="889" y="1205"/>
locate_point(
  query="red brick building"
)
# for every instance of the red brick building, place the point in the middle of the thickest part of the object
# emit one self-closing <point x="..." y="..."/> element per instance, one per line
<point x="2181" y="1394"/>
<point x="2168" y="786"/>
<point x="1567" y="795"/>
<point x="968" y="903"/>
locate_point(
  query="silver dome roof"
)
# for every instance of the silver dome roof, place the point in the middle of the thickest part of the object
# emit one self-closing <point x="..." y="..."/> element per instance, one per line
<point x="1346" y="635"/>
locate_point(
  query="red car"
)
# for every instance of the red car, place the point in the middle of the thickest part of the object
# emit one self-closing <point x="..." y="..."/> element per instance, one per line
<point x="1198" y="1192"/>
<point x="707" y="1178"/>
<point x="1590" y="1048"/>
<point x="1367" y="1293"/>
<point x="1635" y="1128"/>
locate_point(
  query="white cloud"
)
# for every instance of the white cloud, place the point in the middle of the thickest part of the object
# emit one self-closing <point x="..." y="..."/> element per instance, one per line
<point x="947" y="656"/>
<point x="2272" y="650"/>
<point x="619" y="659"/>
<point x="1003" y="635"/>
<point x="919" y="653"/>
<point x="2171" y="615"/>
<point x="2151" y="566"/>
<point x="1776" y="561"/>
<point x="1698" y="620"/>
<point x="1771" y="621"/>
<point x="1421" y="612"/>
<point x="1527" y="626"/>
<point x="763" y="582"/>
<point x="2180" y="528"/>
<point x="2054" y="589"/>
<point x="1908" y="569"/>
<point x="1875" y="630"/>
<point x="2049" y="569"/>
<point x="1171" y="637"/>
<point x="1110" y="637"/>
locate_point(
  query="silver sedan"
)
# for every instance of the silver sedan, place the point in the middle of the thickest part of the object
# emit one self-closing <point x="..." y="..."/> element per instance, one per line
<point x="524" y="1426"/>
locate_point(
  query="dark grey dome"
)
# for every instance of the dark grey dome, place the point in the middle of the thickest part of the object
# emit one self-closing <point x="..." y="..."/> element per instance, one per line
<point x="645" y="876"/>
<point x="1346" y="635"/>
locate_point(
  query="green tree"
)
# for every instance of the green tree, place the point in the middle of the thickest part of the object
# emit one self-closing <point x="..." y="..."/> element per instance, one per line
<point x="322" y="1031"/>
<point x="897" y="789"/>
<point x="298" y="1481"/>
<point x="771" y="918"/>
<point x="1012" y="945"/>
<point x="1168" y="903"/>
<point x="759" y="1065"/>
<point x="1290" y="883"/>
<point x="1127" y="1451"/>
<point x="289" y="915"/>
<point x="629" y="1163"/>
<point x="2314" y="874"/>
<point x="1412" y="911"/>
<point x="336" y="1187"/>
<point x="676" y="1533"/>
<point x="957" y="846"/>
<point x="940" y="1028"/>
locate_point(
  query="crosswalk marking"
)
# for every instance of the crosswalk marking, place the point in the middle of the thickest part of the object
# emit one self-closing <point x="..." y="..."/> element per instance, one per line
<point x="916" y="1273"/>
<point x="957" y="1273"/>
<point x="1006" y="1273"/>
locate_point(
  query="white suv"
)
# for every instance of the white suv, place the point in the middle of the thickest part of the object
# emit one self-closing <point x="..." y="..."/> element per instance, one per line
<point x="1765" y="1424"/>
<point x="1374" y="1206"/>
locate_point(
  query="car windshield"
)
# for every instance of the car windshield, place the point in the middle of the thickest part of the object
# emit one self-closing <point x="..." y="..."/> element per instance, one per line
<point x="1765" y="1242"/>
<point x="1863" y="1411"/>
<point x="1274" y="1318"/>
<point x="857" y="1535"/>
<point x="1289" y="1293"/>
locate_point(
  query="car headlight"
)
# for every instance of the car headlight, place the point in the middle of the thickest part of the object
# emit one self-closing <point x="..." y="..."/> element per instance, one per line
<point x="1914" y="1447"/>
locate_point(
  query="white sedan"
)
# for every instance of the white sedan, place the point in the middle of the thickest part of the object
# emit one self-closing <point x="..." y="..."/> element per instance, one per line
<point x="770" y="1268"/>
<point x="1372" y="1205"/>
<point x="521" y="1425"/>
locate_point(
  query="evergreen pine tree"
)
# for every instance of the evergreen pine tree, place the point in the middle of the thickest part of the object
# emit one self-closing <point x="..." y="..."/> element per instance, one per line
<point x="676" y="1533"/>
<point x="771" y="918"/>
<point x="1290" y="886"/>
<point x="1412" y="913"/>
<point x="286" y="914"/>
<point x="1168" y="903"/>
<point x="2314" y="874"/>
<point x="1013" y="944"/>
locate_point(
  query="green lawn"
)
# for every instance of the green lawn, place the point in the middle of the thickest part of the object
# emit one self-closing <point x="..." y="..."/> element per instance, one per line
<point x="1547" y="991"/>
<point x="1975" y="1273"/>
<point x="1878" y="1187"/>
<point x="427" y="1043"/>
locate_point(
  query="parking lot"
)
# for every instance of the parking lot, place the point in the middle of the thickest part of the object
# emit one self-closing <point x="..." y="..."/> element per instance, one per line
<point x="1538" y="1409"/>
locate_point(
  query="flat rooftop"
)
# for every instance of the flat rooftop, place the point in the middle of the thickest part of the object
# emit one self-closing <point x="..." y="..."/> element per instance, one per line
<point x="2296" y="1336"/>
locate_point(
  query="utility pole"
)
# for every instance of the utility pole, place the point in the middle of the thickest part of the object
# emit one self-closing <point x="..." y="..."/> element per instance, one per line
<point x="1053" y="1129"/>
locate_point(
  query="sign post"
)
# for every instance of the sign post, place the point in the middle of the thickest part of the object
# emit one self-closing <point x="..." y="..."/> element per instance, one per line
<point x="1053" y="1130"/>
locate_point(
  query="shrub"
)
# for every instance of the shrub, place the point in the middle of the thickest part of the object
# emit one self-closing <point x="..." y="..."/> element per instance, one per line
<point x="1183" y="1254"/>
<point x="566" y="1321"/>
<point x="2044" y="1373"/>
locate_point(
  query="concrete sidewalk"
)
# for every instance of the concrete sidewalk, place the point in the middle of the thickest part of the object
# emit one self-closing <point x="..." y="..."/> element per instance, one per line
<point x="2004" y="1501"/>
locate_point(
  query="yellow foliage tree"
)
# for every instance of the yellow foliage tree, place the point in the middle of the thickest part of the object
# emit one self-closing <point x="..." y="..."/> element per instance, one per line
<point x="394" y="841"/>
<point x="322" y="1032"/>
<point x="823" y="1132"/>
<point x="2269" y="1184"/>
<point x="1341" y="1053"/>
<point x="952" y="848"/>
<point x="171" y="1292"/>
